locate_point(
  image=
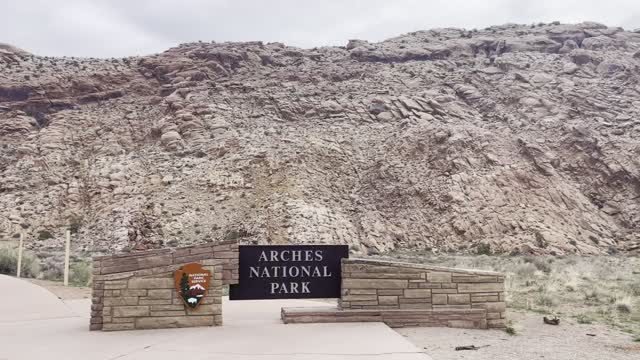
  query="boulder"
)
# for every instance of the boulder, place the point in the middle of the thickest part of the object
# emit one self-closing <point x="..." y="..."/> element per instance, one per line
<point x="171" y="140"/>
<point x="583" y="57"/>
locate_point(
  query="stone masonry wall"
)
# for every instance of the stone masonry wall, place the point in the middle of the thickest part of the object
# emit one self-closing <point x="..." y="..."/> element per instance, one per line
<point x="147" y="299"/>
<point x="136" y="291"/>
<point x="373" y="284"/>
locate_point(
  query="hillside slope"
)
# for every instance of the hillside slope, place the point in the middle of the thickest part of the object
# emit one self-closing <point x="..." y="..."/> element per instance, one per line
<point x="525" y="138"/>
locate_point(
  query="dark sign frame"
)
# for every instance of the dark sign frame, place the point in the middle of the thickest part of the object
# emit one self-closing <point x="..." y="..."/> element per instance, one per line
<point x="289" y="272"/>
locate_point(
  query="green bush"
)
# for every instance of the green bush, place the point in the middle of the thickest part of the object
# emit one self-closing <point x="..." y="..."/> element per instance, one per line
<point x="9" y="262"/>
<point x="44" y="235"/>
<point x="80" y="274"/>
<point x="483" y="249"/>
<point x="75" y="223"/>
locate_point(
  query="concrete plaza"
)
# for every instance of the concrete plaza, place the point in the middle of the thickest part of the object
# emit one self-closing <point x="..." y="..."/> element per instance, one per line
<point x="35" y="324"/>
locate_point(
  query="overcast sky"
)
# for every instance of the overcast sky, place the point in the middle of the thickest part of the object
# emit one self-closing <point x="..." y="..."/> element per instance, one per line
<point x="110" y="28"/>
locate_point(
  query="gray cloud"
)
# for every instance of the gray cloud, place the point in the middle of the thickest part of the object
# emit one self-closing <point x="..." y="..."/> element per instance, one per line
<point x="102" y="28"/>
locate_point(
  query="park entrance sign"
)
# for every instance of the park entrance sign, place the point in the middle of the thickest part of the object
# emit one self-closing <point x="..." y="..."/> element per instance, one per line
<point x="289" y="272"/>
<point x="183" y="287"/>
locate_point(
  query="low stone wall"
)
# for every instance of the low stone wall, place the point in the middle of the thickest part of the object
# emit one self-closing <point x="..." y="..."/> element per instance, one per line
<point x="137" y="291"/>
<point x="458" y="318"/>
<point x="383" y="285"/>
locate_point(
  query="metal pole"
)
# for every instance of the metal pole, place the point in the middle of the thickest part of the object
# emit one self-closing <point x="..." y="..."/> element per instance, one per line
<point x="66" y="258"/>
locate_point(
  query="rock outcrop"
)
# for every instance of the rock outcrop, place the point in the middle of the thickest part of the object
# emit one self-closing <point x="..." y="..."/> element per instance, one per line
<point x="517" y="139"/>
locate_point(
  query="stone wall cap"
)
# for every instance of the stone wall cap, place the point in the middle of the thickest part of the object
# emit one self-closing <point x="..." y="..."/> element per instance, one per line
<point x="131" y="254"/>
<point x="321" y="310"/>
<point x="420" y="266"/>
<point x="160" y="251"/>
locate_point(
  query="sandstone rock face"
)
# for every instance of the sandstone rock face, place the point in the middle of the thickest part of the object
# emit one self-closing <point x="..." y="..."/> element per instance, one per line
<point x="522" y="138"/>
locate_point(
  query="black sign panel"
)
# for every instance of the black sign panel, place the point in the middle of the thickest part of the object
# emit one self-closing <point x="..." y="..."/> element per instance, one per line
<point x="289" y="272"/>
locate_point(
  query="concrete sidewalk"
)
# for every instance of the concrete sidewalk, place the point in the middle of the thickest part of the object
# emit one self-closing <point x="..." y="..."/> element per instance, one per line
<point x="21" y="300"/>
<point x="34" y="324"/>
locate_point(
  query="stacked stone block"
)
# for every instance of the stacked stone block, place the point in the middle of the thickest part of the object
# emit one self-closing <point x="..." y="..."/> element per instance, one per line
<point x="383" y="285"/>
<point x="136" y="291"/>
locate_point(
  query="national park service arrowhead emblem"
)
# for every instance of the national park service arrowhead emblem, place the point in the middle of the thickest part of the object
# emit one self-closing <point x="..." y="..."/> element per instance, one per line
<point x="192" y="282"/>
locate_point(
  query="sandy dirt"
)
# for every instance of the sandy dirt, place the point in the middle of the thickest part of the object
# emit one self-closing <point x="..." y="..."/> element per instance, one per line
<point x="533" y="340"/>
<point x="64" y="292"/>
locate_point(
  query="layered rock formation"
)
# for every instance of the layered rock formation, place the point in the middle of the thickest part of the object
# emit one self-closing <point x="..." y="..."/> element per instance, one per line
<point x="510" y="139"/>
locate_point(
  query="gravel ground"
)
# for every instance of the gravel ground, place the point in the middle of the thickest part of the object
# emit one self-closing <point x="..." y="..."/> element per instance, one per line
<point x="533" y="340"/>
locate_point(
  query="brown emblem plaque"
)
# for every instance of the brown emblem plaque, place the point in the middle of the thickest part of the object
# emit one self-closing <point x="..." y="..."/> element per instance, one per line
<point x="192" y="282"/>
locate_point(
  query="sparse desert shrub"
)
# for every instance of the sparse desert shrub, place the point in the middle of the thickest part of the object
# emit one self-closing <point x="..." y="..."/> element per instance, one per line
<point x="80" y="274"/>
<point x="51" y="269"/>
<point x="480" y="262"/>
<point x="583" y="319"/>
<point x="594" y="295"/>
<point x="570" y="261"/>
<point x="623" y="308"/>
<point x="634" y="288"/>
<point x="510" y="330"/>
<point x="544" y="300"/>
<point x="542" y="264"/>
<point x="525" y="271"/>
<point x="483" y="249"/>
<point x="9" y="261"/>
<point x="75" y="223"/>
<point x="571" y="281"/>
<point x="44" y="235"/>
<point x="624" y="305"/>
<point x="234" y="234"/>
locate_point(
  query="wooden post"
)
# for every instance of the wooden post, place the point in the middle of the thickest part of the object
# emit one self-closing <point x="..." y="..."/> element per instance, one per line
<point x="19" y="270"/>
<point x="66" y="258"/>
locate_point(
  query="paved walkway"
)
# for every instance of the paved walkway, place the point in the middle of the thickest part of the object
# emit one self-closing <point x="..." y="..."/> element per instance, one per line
<point x="34" y="324"/>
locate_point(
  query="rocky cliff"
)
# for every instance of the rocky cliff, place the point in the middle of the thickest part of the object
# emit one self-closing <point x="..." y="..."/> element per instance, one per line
<point x="511" y="139"/>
